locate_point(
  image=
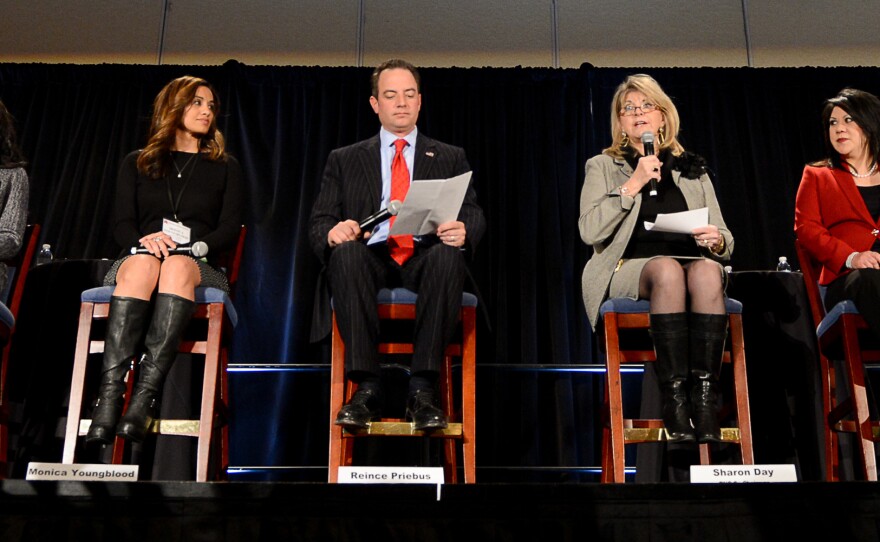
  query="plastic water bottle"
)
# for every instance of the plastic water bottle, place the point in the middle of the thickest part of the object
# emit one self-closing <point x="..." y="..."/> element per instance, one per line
<point x="45" y="254"/>
<point x="783" y="265"/>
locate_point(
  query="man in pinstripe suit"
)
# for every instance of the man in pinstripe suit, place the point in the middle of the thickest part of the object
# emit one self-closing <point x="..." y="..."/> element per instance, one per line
<point x="356" y="184"/>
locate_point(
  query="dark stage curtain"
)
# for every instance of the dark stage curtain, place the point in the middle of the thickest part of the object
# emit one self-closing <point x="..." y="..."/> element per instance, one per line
<point x="527" y="133"/>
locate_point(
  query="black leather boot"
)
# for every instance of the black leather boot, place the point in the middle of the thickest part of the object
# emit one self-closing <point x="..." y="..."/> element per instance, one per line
<point x="670" y="335"/>
<point x="708" y="333"/>
<point x="170" y="319"/>
<point x="125" y="330"/>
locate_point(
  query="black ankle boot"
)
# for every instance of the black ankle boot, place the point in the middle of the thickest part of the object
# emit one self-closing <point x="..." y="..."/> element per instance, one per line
<point x="170" y="319"/>
<point x="125" y="330"/>
<point x="708" y="333"/>
<point x="670" y="335"/>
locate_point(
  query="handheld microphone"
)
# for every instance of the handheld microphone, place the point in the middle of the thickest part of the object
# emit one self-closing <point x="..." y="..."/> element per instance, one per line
<point x="373" y="220"/>
<point x="648" y="142"/>
<point x="198" y="249"/>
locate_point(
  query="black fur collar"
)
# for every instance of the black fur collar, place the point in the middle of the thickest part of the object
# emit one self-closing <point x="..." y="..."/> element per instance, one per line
<point x="691" y="165"/>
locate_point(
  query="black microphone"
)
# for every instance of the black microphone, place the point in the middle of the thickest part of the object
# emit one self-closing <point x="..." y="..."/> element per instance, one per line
<point x="648" y="142"/>
<point x="198" y="249"/>
<point x="373" y="220"/>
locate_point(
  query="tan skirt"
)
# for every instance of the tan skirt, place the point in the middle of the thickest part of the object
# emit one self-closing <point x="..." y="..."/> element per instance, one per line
<point x="625" y="280"/>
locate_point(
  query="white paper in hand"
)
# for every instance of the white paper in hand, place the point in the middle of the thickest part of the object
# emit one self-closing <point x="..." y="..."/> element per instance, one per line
<point x="429" y="204"/>
<point x="683" y="222"/>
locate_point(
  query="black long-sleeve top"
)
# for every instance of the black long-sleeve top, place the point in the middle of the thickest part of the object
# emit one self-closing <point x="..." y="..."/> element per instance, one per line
<point x="211" y="203"/>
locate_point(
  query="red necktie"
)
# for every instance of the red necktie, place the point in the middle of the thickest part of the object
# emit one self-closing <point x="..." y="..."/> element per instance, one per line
<point x="400" y="247"/>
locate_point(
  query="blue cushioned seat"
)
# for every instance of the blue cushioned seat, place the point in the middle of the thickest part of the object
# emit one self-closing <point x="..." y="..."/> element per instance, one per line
<point x="625" y="305"/>
<point x="6" y="317"/>
<point x="844" y="307"/>
<point x="204" y="295"/>
<point x="402" y="296"/>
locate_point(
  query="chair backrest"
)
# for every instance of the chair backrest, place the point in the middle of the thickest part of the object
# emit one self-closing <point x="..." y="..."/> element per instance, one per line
<point x="21" y="264"/>
<point x="811" y="269"/>
<point x="231" y="260"/>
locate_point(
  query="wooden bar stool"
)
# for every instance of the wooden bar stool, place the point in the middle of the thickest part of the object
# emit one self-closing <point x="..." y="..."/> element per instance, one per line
<point x="623" y="314"/>
<point x="399" y="304"/>
<point x="17" y="269"/>
<point x="842" y="335"/>
<point x="215" y="308"/>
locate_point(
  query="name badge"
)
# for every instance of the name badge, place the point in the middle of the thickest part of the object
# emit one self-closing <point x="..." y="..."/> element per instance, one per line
<point x="180" y="233"/>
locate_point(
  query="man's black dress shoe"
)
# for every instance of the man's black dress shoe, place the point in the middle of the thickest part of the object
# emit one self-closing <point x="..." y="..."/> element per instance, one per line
<point x="421" y="409"/>
<point x="364" y="407"/>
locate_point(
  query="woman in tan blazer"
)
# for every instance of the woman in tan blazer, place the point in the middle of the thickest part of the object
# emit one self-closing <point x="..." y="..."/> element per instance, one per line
<point x="678" y="273"/>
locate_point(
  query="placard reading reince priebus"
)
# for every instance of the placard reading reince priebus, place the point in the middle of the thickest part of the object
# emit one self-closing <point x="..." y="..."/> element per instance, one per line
<point x="82" y="472"/>
<point x="739" y="474"/>
<point x="390" y="475"/>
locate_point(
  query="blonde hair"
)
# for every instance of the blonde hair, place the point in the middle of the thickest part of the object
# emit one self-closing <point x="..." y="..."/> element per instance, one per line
<point x="645" y="84"/>
<point x="168" y="110"/>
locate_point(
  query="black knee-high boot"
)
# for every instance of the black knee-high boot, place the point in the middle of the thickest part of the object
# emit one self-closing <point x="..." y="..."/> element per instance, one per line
<point x="125" y="330"/>
<point x="170" y="319"/>
<point x="670" y="335"/>
<point x="708" y="333"/>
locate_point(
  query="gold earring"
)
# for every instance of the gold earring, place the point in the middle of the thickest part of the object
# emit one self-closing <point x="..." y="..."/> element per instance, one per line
<point x="661" y="134"/>
<point x="625" y="141"/>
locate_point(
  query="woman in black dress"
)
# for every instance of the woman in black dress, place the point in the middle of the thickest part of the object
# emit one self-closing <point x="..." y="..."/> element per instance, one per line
<point x="180" y="189"/>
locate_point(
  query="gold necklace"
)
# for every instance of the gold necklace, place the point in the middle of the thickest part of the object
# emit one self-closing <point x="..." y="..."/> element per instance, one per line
<point x="180" y="170"/>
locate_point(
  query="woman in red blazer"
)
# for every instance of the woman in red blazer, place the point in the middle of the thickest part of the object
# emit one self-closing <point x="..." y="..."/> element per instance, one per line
<point x="838" y="204"/>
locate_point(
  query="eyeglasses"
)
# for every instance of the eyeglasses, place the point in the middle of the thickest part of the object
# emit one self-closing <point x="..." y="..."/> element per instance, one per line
<point x="630" y="110"/>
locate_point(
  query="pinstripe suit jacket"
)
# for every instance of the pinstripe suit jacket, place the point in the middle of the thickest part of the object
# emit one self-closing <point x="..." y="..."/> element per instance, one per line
<point x="352" y="189"/>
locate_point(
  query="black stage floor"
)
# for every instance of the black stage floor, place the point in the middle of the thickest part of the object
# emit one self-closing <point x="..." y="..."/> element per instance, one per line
<point x="172" y="511"/>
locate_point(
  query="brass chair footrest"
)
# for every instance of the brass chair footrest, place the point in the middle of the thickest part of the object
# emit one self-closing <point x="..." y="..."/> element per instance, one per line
<point x="634" y="435"/>
<point x="183" y="428"/>
<point x="405" y="429"/>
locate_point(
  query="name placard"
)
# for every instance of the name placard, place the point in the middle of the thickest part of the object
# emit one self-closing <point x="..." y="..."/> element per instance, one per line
<point x="390" y="475"/>
<point x="84" y="472"/>
<point x="740" y="474"/>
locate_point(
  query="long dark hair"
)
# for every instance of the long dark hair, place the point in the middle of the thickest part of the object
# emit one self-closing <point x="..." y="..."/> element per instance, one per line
<point x="168" y="109"/>
<point x="864" y="108"/>
<point x="10" y="153"/>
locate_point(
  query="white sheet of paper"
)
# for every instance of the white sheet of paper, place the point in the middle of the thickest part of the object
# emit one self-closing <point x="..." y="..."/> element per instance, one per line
<point x="683" y="222"/>
<point x="429" y="204"/>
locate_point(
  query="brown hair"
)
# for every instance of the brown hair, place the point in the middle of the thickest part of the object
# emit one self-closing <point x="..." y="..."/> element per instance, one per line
<point x="651" y="89"/>
<point x="168" y="110"/>
<point x="393" y="64"/>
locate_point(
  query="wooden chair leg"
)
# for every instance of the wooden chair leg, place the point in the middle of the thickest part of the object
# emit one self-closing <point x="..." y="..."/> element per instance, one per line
<point x="77" y="383"/>
<point x="209" y="391"/>
<point x="828" y="393"/>
<point x="337" y="391"/>
<point x="856" y="372"/>
<point x="741" y="389"/>
<point x="469" y="394"/>
<point x="615" y="399"/>
<point x="450" y="459"/>
<point x="607" y="465"/>
<point x="224" y="408"/>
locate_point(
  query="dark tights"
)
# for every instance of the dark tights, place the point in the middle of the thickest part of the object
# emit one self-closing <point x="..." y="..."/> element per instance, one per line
<point x="671" y="286"/>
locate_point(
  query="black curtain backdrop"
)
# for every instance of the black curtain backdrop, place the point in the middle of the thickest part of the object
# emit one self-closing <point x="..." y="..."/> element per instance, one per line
<point x="527" y="133"/>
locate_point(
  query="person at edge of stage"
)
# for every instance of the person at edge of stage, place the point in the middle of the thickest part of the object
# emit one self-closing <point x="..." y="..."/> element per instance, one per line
<point x="358" y="181"/>
<point x="679" y="274"/>
<point x="181" y="188"/>
<point x="837" y="210"/>
<point x="13" y="193"/>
